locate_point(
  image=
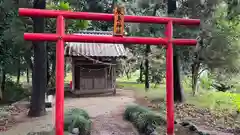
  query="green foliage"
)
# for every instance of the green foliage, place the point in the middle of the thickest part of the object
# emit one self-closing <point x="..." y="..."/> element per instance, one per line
<point x="143" y="118"/>
<point x="13" y="92"/>
<point x="233" y="11"/>
<point x="77" y="118"/>
<point x="219" y="50"/>
<point x="235" y="98"/>
<point x="206" y="82"/>
<point x="72" y="25"/>
<point x="77" y="111"/>
<point x="83" y="125"/>
<point x="11" y="39"/>
<point x="132" y="111"/>
<point x="210" y="99"/>
<point x="64" y="5"/>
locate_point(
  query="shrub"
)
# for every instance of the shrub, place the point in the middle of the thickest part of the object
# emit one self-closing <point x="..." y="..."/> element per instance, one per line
<point x="143" y="119"/>
<point x="77" y="118"/>
<point x="132" y="111"/>
<point x="73" y="119"/>
<point x="77" y="111"/>
<point x="83" y="125"/>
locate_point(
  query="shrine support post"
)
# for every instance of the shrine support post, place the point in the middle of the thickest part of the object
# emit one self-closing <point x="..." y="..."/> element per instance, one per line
<point x="169" y="79"/>
<point x="59" y="118"/>
<point x="60" y="37"/>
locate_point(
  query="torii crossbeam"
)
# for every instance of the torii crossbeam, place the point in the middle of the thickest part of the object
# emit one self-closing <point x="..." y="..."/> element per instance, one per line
<point x="60" y="37"/>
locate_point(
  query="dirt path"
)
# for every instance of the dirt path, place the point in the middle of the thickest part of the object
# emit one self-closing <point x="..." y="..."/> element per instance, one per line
<point x="112" y="124"/>
<point x="106" y="113"/>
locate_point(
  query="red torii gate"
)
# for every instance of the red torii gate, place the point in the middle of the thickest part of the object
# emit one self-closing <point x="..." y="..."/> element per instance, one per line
<point x="60" y="37"/>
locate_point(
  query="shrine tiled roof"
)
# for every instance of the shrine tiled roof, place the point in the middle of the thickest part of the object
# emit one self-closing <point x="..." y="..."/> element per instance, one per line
<point x="95" y="49"/>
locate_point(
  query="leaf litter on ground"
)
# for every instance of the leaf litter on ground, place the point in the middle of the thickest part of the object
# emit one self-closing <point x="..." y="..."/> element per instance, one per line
<point x="219" y="120"/>
<point x="7" y="114"/>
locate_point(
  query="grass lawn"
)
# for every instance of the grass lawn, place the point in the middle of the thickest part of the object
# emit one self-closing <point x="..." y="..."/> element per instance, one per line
<point x="204" y="99"/>
<point x="220" y="107"/>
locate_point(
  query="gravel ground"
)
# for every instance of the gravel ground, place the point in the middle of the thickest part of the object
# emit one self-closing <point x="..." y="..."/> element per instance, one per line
<point x="105" y="111"/>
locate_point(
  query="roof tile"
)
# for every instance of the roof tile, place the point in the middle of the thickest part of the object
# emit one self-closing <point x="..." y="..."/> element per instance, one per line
<point x="95" y="49"/>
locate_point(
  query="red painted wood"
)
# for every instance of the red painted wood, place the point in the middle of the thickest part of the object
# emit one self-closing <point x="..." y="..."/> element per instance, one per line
<point x="59" y="118"/>
<point x="104" y="17"/>
<point x="169" y="80"/>
<point x="60" y="38"/>
<point x="107" y="39"/>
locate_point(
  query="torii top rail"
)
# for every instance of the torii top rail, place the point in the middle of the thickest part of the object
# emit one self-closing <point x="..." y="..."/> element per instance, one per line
<point x="60" y="37"/>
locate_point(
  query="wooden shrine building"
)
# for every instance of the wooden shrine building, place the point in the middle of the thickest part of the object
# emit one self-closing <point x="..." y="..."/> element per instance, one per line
<point x="94" y="65"/>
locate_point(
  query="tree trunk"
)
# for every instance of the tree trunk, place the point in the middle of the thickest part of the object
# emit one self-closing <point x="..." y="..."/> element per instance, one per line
<point x="195" y="71"/>
<point x="65" y="68"/>
<point x="27" y="70"/>
<point x="147" y="50"/>
<point x="39" y="75"/>
<point x="18" y="71"/>
<point x="27" y="58"/>
<point x="172" y="6"/>
<point x="48" y="71"/>
<point x="128" y="74"/>
<point x="141" y="72"/>
<point x="178" y="90"/>
<point x="3" y="83"/>
<point x="196" y="67"/>
<point x="53" y="69"/>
